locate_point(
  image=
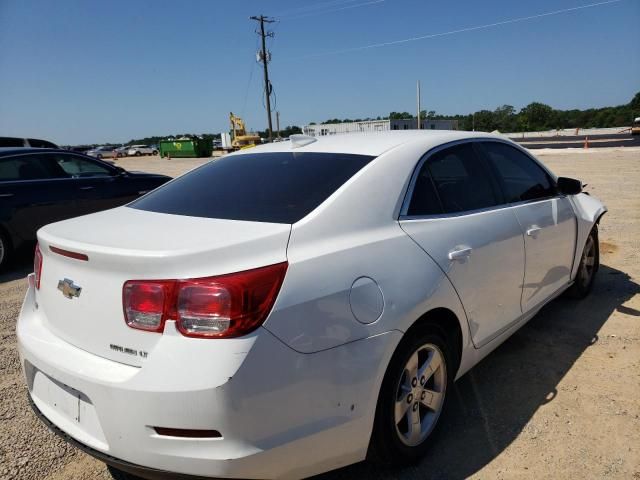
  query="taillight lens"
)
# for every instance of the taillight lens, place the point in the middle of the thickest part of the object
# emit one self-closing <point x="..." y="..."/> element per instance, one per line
<point x="215" y="307"/>
<point x="144" y="304"/>
<point x="204" y="309"/>
<point x="37" y="266"/>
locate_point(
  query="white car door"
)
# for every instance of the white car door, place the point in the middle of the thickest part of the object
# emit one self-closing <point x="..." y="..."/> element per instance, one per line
<point x="455" y="211"/>
<point x="547" y="219"/>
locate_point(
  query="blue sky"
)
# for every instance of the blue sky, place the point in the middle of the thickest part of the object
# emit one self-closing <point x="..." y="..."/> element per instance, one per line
<point x="85" y="71"/>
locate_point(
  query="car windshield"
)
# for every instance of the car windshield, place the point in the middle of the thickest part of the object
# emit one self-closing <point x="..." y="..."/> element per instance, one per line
<point x="280" y="187"/>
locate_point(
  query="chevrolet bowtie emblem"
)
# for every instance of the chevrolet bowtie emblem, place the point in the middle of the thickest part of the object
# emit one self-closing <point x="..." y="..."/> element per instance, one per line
<point x="68" y="288"/>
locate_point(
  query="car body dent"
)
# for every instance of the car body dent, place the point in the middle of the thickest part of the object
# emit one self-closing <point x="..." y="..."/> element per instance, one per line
<point x="589" y="210"/>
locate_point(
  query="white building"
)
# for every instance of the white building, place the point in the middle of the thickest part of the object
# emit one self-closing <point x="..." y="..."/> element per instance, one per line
<point x="377" y="126"/>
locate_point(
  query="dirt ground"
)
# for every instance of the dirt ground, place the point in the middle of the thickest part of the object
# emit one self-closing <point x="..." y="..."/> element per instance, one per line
<point x="559" y="399"/>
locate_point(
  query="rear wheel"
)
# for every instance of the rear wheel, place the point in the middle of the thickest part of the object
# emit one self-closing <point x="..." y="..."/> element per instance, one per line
<point x="155" y="152"/>
<point x="99" y="156"/>
<point x="138" y="153"/>
<point x="412" y="399"/>
<point x="5" y="250"/>
<point x="589" y="264"/>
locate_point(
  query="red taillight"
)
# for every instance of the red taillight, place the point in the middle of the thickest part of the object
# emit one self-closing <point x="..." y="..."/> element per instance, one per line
<point x="37" y="265"/>
<point x="144" y="304"/>
<point x="215" y="307"/>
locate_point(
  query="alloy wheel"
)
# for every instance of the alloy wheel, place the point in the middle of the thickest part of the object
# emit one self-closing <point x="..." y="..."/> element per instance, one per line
<point x="587" y="265"/>
<point x="420" y="395"/>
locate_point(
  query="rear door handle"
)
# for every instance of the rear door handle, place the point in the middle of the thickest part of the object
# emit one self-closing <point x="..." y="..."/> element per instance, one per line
<point x="87" y="188"/>
<point x="533" y="231"/>
<point x="460" y="253"/>
<point x="6" y="195"/>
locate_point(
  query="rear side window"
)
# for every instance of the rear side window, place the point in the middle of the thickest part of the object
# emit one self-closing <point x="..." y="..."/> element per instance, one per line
<point x="29" y="167"/>
<point x="424" y="200"/>
<point x="522" y="178"/>
<point x="277" y="187"/>
<point x="11" y="142"/>
<point x="462" y="180"/>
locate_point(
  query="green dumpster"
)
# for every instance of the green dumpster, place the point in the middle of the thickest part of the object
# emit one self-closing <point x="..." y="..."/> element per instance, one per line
<point x="194" y="147"/>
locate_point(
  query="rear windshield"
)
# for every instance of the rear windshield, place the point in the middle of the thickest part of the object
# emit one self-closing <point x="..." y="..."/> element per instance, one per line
<point x="273" y="187"/>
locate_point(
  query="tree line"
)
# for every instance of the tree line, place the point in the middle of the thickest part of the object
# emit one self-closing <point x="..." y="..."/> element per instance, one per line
<point x="534" y="117"/>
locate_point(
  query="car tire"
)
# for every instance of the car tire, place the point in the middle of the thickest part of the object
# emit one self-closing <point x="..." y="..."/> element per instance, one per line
<point x="117" y="474"/>
<point x="155" y="152"/>
<point x="99" y="156"/>
<point x="5" y="250"/>
<point x="138" y="153"/>
<point x="396" y="441"/>
<point x="588" y="267"/>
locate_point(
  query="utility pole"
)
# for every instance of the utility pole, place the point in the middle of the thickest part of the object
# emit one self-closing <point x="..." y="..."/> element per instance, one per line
<point x="418" y="93"/>
<point x="263" y="56"/>
<point x="278" y="123"/>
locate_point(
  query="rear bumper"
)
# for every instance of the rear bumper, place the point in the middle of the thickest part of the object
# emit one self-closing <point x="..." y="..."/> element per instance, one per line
<point x="144" y="472"/>
<point x="281" y="414"/>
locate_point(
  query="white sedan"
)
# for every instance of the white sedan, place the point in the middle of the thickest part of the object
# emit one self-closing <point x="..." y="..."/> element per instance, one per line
<point x="137" y="150"/>
<point x="296" y="307"/>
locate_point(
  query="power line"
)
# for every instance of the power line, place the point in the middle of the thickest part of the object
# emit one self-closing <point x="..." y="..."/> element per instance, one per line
<point x="315" y="6"/>
<point x="461" y="30"/>
<point x="313" y="14"/>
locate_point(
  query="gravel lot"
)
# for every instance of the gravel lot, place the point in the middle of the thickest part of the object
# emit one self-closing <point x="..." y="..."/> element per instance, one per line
<point x="559" y="399"/>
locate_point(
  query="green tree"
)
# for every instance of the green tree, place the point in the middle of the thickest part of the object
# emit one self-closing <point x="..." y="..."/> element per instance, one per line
<point x="537" y="115"/>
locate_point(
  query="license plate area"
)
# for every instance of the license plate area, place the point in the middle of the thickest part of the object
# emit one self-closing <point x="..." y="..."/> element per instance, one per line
<point x="69" y="409"/>
<point x="65" y="400"/>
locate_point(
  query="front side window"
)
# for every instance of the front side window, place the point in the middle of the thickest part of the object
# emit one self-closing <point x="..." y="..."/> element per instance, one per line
<point x="76" y="167"/>
<point x="522" y="178"/>
<point x="275" y="187"/>
<point x="462" y="180"/>
<point x="37" y="143"/>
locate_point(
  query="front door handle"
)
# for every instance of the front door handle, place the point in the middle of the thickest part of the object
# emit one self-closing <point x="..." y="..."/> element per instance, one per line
<point x="533" y="231"/>
<point x="6" y="195"/>
<point x="87" y="188"/>
<point x="460" y="253"/>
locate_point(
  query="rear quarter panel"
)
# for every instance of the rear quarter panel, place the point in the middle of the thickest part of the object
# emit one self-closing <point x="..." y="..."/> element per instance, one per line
<point x="354" y="234"/>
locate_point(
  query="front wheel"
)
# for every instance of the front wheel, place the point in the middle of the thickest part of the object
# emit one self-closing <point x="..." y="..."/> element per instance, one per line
<point x="99" y="156"/>
<point x="589" y="264"/>
<point x="155" y="152"/>
<point x="138" y="153"/>
<point x="412" y="399"/>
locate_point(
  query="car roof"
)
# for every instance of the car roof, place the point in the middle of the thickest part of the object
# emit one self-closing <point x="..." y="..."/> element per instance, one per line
<point x="370" y="143"/>
<point x="8" y="151"/>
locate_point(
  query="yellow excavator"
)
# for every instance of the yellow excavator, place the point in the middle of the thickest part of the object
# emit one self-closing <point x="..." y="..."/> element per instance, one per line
<point x="240" y="138"/>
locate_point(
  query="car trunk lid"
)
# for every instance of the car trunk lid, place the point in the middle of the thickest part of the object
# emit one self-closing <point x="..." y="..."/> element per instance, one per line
<point x="98" y="253"/>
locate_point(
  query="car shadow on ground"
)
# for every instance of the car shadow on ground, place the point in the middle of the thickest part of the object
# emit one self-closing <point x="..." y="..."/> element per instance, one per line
<point x="21" y="266"/>
<point x="491" y="405"/>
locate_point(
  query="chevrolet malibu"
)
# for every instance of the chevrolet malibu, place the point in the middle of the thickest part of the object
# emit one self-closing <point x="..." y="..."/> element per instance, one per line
<point x="296" y="307"/>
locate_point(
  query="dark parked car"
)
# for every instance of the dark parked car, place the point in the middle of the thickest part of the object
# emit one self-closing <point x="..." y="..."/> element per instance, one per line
<point x="41" y="186"/>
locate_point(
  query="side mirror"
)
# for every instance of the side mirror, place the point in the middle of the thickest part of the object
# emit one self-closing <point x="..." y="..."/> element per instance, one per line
<point x="569" y="186"/>
<point x="120" y="172"/>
